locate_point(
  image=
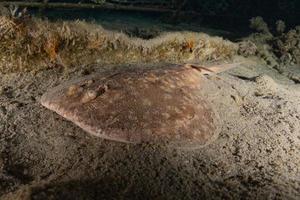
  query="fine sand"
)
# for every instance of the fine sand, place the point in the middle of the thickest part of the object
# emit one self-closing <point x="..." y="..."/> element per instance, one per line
<point x="255" y="156"/>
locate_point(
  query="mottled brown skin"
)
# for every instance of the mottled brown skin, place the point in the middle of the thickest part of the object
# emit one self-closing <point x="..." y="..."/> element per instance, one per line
<point x="158" y="105"/>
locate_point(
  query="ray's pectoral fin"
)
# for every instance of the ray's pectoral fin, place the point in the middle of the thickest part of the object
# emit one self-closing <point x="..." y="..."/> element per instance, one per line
<point x="133" y="107"/>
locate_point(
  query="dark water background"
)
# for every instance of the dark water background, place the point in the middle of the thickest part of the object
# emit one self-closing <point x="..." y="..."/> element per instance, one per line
<point x="227" y="18"/>
<point x="122" y="20"/>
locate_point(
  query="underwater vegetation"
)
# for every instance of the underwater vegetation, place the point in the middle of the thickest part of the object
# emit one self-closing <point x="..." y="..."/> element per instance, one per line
<point x="287" y="46"/>
<point x="279" y="47"/>
<point x="28" y="44"/>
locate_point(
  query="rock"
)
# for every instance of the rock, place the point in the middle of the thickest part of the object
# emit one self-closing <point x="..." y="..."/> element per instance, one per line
<point x="266" y="86"/>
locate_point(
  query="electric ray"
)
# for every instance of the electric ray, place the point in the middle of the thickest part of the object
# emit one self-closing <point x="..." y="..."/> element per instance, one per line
<point x="140" y="105"/>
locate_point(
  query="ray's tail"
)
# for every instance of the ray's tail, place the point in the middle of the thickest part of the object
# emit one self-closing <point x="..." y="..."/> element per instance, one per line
<point x="214" y="69"/>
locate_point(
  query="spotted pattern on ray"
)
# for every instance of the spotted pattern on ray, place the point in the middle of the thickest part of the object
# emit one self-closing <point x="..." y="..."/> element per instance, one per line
<point x="141" y="105"/>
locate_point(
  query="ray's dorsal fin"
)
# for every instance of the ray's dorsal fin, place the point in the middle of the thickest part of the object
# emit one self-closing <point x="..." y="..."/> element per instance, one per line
<point x="214" y="69"/>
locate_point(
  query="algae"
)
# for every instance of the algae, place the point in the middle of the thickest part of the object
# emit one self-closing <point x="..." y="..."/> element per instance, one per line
<point x="35" y="44"/>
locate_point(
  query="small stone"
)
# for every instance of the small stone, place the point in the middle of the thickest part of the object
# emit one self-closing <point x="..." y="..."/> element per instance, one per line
<point x="266" y="86"/>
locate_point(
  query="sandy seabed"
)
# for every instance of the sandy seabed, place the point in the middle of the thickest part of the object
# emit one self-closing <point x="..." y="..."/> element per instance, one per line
<point x="255" y="156"/>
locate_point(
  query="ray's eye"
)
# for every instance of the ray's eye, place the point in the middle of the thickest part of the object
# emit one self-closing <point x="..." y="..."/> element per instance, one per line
<point x="89" y="96"/>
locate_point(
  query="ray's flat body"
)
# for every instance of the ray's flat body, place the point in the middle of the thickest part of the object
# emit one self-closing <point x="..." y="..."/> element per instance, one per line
<point x="153" y="105"/>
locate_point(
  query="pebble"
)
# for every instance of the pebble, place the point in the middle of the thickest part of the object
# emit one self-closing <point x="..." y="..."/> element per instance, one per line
<point x="266" y="86"/>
